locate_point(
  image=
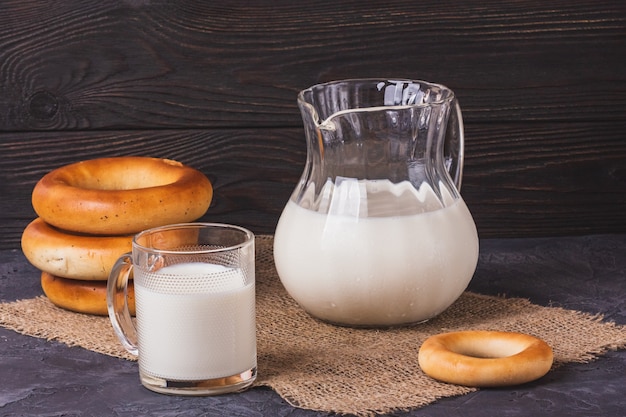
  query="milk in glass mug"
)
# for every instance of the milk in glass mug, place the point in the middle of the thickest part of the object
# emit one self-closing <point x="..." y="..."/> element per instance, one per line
<point x="194" y="287"/>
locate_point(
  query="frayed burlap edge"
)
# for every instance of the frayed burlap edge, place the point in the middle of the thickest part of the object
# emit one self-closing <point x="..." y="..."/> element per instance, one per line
<point x="359" y="372"/>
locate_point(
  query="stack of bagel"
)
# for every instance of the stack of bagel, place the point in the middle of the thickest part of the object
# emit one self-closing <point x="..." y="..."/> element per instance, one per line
<point x="89" y="212"/>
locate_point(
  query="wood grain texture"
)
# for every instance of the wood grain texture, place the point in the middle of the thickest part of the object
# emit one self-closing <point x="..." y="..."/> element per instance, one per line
<point x="141" y="64"/>
<point x="542" y="86"/>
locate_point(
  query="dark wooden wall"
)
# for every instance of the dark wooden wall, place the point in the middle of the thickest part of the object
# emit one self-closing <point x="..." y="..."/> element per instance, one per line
<point x="542" y="85"/>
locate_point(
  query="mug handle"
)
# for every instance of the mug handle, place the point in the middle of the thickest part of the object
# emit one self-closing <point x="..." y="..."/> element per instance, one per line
<point x="117" y="303"/>
<point x="454" y="144"/>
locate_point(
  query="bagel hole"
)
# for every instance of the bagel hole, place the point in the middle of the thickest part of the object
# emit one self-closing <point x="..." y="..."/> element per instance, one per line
<point x="123" y="178"/>
<point x="489" y="349"/>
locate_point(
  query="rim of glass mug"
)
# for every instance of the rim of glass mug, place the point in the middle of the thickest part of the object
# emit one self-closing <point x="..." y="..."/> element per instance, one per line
<point x="247" y="235"/>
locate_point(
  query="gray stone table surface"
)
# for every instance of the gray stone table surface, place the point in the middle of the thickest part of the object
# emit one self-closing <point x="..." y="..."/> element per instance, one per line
<point x="586" y="273"/>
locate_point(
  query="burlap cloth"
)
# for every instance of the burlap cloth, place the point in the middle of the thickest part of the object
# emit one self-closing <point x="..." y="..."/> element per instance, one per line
<point x="322" y="367"/>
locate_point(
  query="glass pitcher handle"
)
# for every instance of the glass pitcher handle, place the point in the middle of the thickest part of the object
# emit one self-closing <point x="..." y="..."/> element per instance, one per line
<point x="454" y="144"/>
<point x="117" y="304"/>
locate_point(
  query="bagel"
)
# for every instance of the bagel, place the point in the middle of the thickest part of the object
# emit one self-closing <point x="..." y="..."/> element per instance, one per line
<point x="121" y="195"/>
<point x="88" y="297"/>
<point x="72" y="255"/>
<point x="485" y="358"/>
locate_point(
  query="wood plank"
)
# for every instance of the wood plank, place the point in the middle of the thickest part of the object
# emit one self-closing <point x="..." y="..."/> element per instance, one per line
<point x="547" y="179"/>
<point x="146" y="65"/>
<point x="539" y="180"/>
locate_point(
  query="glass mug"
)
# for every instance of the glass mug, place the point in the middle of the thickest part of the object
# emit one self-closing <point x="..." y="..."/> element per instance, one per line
<point x="376" y="233"/>
<point x="194" y="288"/>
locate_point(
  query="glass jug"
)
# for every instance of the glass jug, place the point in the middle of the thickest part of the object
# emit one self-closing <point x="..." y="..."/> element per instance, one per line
<point x="376" y="233"/>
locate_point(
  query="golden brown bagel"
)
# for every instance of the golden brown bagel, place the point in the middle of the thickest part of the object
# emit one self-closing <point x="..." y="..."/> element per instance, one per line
<point x="485" y="358"/>
<point x="88" y="297"/>
<point x="71" y="255"/>
<point x="120" y="196"/>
